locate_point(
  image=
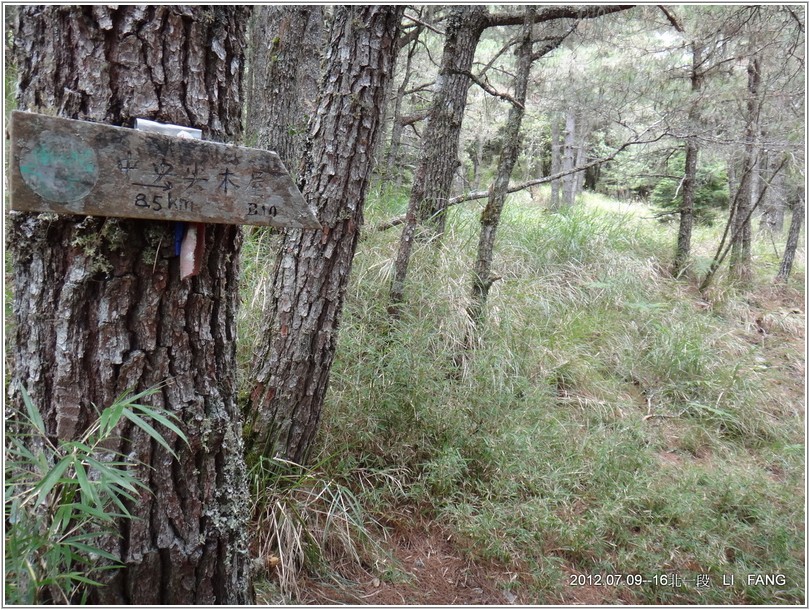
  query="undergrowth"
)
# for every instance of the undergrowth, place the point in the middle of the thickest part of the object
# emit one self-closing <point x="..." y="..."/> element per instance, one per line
<point x="609" y="420"/>
<point x="63" y="500"/>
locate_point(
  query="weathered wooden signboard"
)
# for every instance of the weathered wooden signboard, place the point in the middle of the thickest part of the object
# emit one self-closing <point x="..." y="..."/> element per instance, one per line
<point x="78" y="167"/>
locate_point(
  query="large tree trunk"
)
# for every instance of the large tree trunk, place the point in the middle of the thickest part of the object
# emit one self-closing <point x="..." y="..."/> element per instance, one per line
<point x="312" y="269"/>
<point x="740" y="261"/>
<point x="439" y="158"/>
<point x="491" y="215"/>
<point x="792" y="241"/>
<point x="99" y="305"/>
<point x="283" y="78"/>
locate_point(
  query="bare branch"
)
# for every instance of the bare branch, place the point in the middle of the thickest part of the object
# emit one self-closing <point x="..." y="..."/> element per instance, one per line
<point x="422" y="87"/>
<point x="553" y="44"/>
<point x="671" y="18"/>
<point x="558" y="12"/>
<point x="472" y="196"/>
<point x="492" y="61"/>
<point x="721" y="254"/>
<point x="410" y="119"/>
<point x="524" y="185"/>
<point x="418" y="21"/>
<point x="488" y="88"/>
<point x="795" y="18"/>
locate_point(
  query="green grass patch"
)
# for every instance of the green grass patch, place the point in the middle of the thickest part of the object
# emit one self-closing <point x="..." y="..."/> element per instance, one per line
<point x="608" y="420"/>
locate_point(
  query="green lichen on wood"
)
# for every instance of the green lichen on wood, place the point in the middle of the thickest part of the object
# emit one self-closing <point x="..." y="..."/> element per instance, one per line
<point x="97" y="239"/>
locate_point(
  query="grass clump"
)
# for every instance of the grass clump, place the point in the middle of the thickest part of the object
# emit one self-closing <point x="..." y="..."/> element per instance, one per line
<point x="304" y="522"/>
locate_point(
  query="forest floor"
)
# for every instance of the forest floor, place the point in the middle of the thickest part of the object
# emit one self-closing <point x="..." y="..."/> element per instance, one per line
<point x="435" y="569"/>
<point x="614" y="430"/>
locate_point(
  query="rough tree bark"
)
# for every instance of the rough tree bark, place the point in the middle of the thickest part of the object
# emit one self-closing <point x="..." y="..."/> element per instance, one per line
<point x="99" y="306"/>
<point x="792" y="241"/>
<point x="312" y="270"/>
<point x="283" y="78"/>
<point x="490" y="217"/>
<point x="687" y="213"/>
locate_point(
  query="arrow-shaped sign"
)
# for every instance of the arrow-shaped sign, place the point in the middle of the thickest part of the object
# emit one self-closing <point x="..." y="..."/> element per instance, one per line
<point x="78" y="167"/>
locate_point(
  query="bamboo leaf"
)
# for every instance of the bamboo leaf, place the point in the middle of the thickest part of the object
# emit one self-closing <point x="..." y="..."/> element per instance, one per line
<point x="162" y="419"/>
<point x="33" y="413"/>
<point x="84" y="483"/>
<point x="86" y="548"/>
<point x="110" y="417"/>
<point x="143" y="425"/>
<point x="52" y="478"/>
<point x="126" y="399"/>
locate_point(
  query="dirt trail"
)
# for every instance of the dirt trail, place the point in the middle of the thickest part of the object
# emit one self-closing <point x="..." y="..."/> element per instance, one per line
<point x="432" y="570"/>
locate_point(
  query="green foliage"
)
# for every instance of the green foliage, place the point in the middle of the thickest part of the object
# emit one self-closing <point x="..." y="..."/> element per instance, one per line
<point x="711" y="192"/>
<point x="62" y="500"/>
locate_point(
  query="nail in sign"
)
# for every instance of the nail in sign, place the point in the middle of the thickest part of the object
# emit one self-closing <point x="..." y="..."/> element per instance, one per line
<point x="77" y="167"/>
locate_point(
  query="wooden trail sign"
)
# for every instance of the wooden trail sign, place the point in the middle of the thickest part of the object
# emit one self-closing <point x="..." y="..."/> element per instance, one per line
<point x="77" y="167"/>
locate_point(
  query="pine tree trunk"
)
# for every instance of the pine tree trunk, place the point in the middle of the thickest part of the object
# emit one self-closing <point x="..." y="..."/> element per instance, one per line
<point x="491" y="215"/>
<point x="581" y="156"/>
<point x="687" y="213"/>
<point x="439" y="157"/>
<point x="99" y="305"/>
<point x="392" y="160"/>
<point x="792" y="242"/>
<point x="740" y="261"/>
<point x="284" y="71"/>
<point x="556" y="162"/>
<point x="312" y="270"/>
<point x="569" y="181"/>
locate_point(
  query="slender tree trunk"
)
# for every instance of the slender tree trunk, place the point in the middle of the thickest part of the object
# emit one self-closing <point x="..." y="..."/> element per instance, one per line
<point x="283" y="77"/>
<point x="687" y="213"/>
<point x="773" y="213"/>
<point x="740" y="262"/>
<point x="478" y="150"/>
<point x="569" y="180"/>
<point x="439" y="156"/>
<point x="392" y="161"/>
<point x="491" y="215"/>
<point x="582" y="150"/>
<point x="100" y="308"/>
<point x="312" y="270"/>
<point x="792" y="241"/>
<point x="556" y="162"/>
